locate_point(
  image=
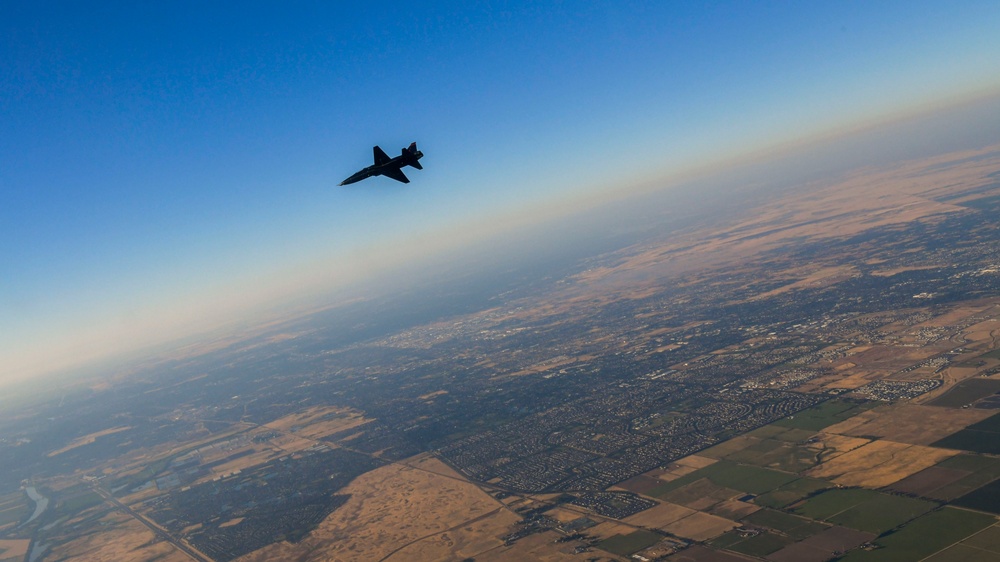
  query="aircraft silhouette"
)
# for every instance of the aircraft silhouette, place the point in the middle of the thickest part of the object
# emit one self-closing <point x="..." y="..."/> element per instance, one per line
<point x="389" y="167"/>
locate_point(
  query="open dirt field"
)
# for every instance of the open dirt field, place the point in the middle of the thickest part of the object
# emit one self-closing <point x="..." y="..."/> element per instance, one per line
<point x="909" y="423"/>
<point x="734" y="509"/>
<point x="541" y="547"/>
<point x="659" y="516"/>
<point x="467" y="541"/>
<point x="700" y="526"/>
<point x="879" y="463"/>
<point x="14" y="550"/>
<point x="396" y="507"/>
<point x="118" y="538"/>
<point x="319" y="421"/>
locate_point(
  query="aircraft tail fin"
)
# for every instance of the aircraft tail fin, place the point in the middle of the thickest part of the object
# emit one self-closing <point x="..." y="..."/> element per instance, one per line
<point x="412" y="150"/>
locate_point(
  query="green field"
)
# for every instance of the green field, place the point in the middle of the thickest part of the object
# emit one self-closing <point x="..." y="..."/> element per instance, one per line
<point x="967" y="392"/>
<point x="776" y="454"/>
<point x="831" y="502"/>
<point x="797" y="528"/>
<point x="988" y="539"/>
<point x="624" y="545"/>
<point x="699" y="490"/>
<point x="771" y="446"/>
<point x="824" y="415"/>
<point x="761" y="545"/>
<point x="982" y="437"/>
<point x="925" y="536"/>
<point x="864" y="510"/>
<point x="80" y="502"/>
<point x="791" y="492"/>
<point x="984" y="470"/>
<point x="752" y="479"/>
<point x="748" y="479"/>
<point x="986" y="498"/>
<point x="882" y="513"/>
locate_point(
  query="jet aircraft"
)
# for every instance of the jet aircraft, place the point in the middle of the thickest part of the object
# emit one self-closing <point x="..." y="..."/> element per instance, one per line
<point x="389" y="167"/>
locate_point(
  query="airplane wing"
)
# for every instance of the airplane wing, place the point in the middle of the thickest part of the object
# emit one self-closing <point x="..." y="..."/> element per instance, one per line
<point x="396" y="174"/>
<point x="380" y="156"/>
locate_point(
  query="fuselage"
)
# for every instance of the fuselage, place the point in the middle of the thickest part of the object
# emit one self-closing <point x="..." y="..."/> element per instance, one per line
<point x="366" y="173"/>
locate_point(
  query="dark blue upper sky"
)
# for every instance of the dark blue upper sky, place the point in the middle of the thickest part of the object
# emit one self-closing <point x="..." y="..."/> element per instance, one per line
<point x="162" y="164"/>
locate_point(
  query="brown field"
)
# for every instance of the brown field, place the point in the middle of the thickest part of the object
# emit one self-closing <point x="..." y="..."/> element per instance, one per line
<point x="829" y="446"/>
<point x="849" y="377"/>
<point x="734" y="509"/>
<point x="682" y="467"/>
<point x="117" y="538"/>
<point x="821" y="547"/>
<point x="291" y="443"/>
<point x="642" y="483"/>
<point x="926" y="481"/>
<point x="88" y="439"/>
<point x="892" y="358"/>
<point x="551" y="364"/>
<point x="259" y="456"/>
<point x="541" y="547"/>
<point x="319" y="421"/>
<point x="813" y="278"/>
<point x="659" y="516"/>
<point x="563" y="515"/>
<point x="909" y="423"/>
<point x="608" y="529"/>
<point x="469" y="540"/>
<point x="14" y="549"/>
<point x="726" y="448"/>
<point x="694" y="461"/>
<point x="891" y="272"/>
<point x="700" y="526"/>
<point x="397" y="507"/>
<point x="698" y="553"/>
<point x="700" y="494"/>
<point x="879" y="463"/>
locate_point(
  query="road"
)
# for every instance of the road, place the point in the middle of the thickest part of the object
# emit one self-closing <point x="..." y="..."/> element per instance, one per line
<point x="158" y="531"/>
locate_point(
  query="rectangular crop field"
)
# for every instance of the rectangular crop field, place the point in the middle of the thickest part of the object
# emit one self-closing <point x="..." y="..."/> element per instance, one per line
<point x="967" y="392"/>
<point x="796" y="527"/>
<point x="982" y="437"/>
<point x="824" y="415"/>
<point x="791" y="492"/>
<point x="624" y="545"/>
<point x="882" y="513"/>
<point x="752" y="479"/>
<point x="986" y="498"/>
<point x="832" y="502"/>
<point x="749" y="479"/>
<point x="925" y="536"/>
<point x="982" y="471"/>
<point x="761" y="545"/>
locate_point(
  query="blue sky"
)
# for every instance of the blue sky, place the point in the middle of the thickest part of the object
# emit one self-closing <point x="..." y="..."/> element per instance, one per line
<point x="165" y="168"/>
